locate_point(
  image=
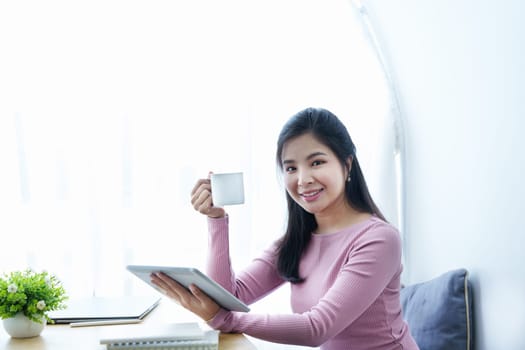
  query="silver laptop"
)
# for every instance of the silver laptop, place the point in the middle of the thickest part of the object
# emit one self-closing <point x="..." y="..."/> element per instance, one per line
<point x="105" y="308"/>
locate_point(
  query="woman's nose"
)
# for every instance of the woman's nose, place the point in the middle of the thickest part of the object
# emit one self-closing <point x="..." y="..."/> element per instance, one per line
<point x="304" y="178"/>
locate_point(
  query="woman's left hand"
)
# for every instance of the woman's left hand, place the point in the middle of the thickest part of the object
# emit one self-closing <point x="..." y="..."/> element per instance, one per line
<point x="193" y="299"/>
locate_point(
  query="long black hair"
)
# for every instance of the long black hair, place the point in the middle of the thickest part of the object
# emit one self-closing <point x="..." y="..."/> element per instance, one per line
<point x="330" y="131"/>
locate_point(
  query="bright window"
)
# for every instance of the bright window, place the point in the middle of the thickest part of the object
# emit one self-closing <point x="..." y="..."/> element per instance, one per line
<point x="111" y="110"/>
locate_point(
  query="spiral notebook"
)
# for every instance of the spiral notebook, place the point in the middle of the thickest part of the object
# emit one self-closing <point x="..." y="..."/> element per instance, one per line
<point x="174" y="336"/>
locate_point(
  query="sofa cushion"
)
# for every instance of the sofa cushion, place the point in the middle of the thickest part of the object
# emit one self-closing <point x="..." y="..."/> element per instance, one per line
<point x="439" y="312"/>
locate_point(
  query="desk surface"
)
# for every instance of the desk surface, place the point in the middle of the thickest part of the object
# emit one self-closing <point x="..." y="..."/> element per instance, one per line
<point x="59" y="337"/>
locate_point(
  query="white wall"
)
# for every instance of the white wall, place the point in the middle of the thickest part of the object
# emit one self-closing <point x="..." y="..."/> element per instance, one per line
<point x="460" y="71"/>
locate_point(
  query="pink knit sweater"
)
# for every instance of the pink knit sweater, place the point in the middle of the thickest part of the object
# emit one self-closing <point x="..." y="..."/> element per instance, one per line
<point x="349" y="299"/>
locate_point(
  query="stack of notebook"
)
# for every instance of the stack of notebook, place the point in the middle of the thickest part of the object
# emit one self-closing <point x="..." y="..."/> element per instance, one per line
<point x="176" y="336"/>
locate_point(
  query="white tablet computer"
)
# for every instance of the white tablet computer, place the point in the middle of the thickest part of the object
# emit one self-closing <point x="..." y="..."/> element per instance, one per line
<point x="187" y="276"/>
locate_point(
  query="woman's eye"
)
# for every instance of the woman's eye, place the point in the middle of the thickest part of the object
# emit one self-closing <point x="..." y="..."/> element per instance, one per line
<point x="289" y="169"/>
<point x="317" y="162"/>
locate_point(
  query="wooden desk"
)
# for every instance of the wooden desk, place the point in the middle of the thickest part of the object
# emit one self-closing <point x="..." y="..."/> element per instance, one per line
<point x="62" y="337"/>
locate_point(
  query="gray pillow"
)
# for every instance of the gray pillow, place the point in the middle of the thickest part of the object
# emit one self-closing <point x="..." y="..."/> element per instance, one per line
<point x="439" y="312"/>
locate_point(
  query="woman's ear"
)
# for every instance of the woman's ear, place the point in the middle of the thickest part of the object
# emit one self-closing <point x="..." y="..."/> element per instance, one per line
<point x="349" y="163"/>
<point x="348" y="168"/>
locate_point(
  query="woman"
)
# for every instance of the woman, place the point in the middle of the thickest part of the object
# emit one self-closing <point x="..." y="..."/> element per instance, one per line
<point x="341" y="257"/>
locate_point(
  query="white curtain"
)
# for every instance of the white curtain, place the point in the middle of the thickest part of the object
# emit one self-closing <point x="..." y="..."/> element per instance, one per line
<point x="111" y="110"/>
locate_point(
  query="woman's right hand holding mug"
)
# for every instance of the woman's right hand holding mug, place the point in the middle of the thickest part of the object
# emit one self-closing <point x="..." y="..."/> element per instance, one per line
<point x="202" y="201"/>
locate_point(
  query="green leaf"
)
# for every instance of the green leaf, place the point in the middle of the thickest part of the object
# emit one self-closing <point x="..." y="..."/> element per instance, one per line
<point x="30" y="287"/>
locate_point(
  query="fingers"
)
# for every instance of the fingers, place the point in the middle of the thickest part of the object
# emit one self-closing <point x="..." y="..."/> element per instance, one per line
<point x="193" y="299"/>
<point x="163" y="286"/>
<point x="165" y="282"/>
<point x="199" y="184"/>
<point x="200" y="296"/>
<point x="171" y="288"/>
<point x="202" y="200"/>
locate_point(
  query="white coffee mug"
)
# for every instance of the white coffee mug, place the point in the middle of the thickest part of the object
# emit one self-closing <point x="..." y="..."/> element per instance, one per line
<point x="227" y="189"/>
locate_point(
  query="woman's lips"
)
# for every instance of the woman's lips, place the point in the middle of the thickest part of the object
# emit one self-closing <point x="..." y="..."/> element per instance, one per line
<point x="311" y="196"/>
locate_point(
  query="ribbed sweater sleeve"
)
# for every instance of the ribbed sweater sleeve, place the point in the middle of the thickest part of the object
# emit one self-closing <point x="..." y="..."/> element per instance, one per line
<point x="254" y="282"/>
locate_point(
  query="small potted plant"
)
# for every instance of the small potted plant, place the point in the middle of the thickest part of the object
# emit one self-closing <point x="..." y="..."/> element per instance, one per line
<point x="25" y="299"/>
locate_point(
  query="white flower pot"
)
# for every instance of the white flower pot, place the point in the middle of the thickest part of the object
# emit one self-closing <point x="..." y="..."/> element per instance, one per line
<point x="20" y="326"/>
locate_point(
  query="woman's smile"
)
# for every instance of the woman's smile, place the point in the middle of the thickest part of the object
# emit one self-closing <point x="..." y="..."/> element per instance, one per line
<point x="311" y="196"/>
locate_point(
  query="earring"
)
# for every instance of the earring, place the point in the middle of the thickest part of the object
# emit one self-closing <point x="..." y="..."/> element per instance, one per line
<point x="348" y="179"/>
